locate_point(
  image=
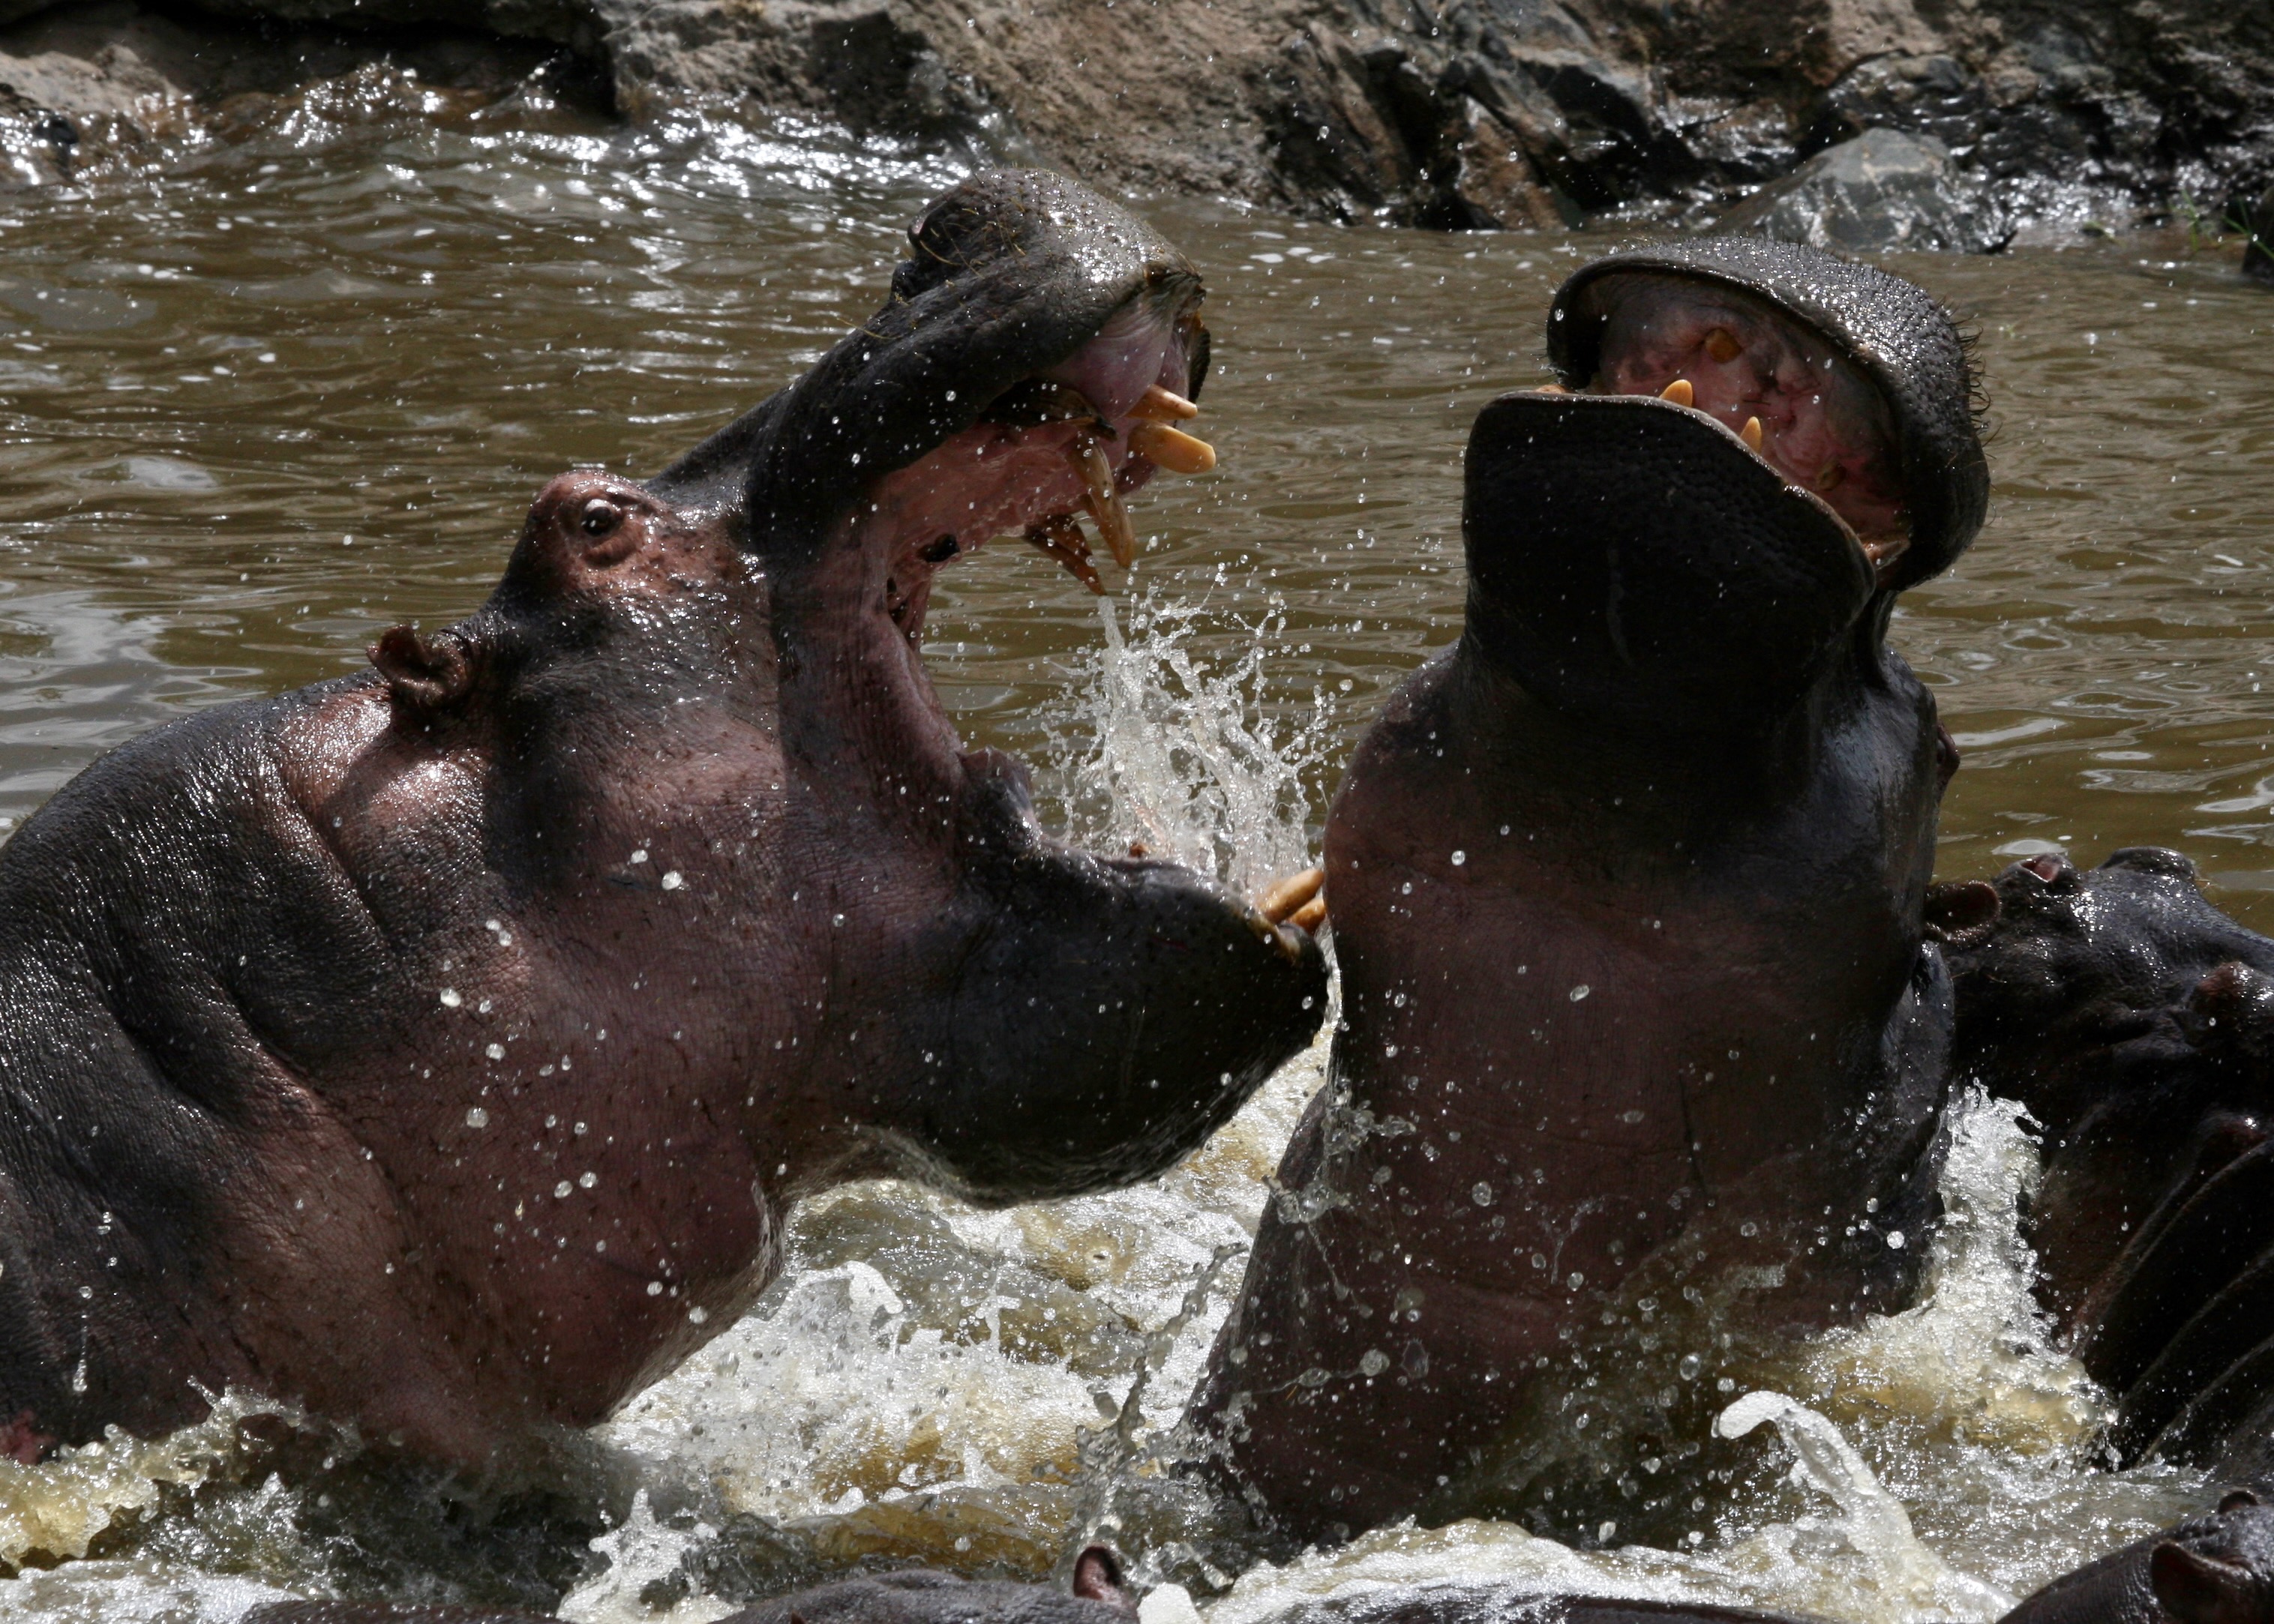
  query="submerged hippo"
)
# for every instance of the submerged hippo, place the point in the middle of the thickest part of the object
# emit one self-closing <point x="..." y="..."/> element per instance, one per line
<point x="439" y="1046"/>
<point x="1097" y="1595"/>
<point x="2136" y="1023"/>
<point x="1626" y="888"/>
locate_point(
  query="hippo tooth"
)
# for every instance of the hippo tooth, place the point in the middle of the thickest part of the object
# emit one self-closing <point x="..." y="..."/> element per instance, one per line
<point x="1062" y="538"/>
<point x="1159" y="405"/>
<point x="1114" y="526"/>
<point x="1722" y="346"/>
<point x="1751" y="432"/>
<point x="1829" y="476"/>
<point x="1294" y="896"/>
<point x="1172" y="448"/>
<point x="1679" y="392"/>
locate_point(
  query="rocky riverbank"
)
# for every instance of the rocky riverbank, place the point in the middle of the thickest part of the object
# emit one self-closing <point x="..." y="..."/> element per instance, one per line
<point x="1991" y="118"/>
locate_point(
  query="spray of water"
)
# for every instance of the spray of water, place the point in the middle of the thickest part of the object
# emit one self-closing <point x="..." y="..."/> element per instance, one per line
<point x="1189" y="755"/>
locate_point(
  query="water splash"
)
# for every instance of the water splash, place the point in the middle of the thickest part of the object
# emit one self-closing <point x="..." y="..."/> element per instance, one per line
<point x="1159" y="747"/>
<point x="1868" y="1550"/>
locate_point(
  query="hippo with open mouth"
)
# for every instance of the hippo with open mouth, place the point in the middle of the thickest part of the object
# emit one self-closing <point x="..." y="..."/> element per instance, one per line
<point x="439" y="1046"/>
<point x="1641" y="1049"/>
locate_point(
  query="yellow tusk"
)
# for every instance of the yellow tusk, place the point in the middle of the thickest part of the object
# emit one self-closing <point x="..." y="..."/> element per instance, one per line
<point x="1751" y="432"/>
<point x="1680" y="392"/>
<point x="1062" y="538"/>
<point x="1172" y="448"/>
<point x="1284" y="900"/>
<point x="1159" y="405"/>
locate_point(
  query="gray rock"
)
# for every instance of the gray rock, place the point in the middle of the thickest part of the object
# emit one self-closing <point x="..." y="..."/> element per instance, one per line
<point x="1882" y="190"/>
<point x="2258" y="250"/>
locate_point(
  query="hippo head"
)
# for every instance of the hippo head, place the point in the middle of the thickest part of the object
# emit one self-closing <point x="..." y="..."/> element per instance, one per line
<point x="1752" y="444"/>
<point x="2136" y="1022"/>
<point x="730" y="651"/>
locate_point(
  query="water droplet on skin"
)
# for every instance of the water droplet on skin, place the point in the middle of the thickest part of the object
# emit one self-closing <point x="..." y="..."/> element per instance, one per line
<point x="588" y="1179"/>
<point x="672" y="881"/>
<point x="655" y="1287"/>
<point x="1690" y="1367"/>
<point x="1460" y="858"/>
<point x="476" y="1117"/>
<point x="640" y="856"/>
<point x="1580" y="991"/>
<point x="1481" y="1193"/>
<point x="697" y="1316"/>
<point x="1895" y="1239"/>
<point x="450" y="999"/>
<point x="561" y="1190"/>
<point x="1375" y="1363"/>
<point x="495" y="1051"/>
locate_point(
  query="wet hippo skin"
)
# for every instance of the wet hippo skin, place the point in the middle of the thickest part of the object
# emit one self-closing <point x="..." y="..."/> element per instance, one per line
<point x="2136" y="1022"/>
<point x="440" y="1046"/>
<point x="914" y="1596"/>
<point x="1626" y="891"/>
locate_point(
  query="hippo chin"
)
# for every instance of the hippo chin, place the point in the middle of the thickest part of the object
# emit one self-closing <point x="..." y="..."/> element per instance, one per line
<point x="1626" y="889"/>
<point x="439" y="1046"/>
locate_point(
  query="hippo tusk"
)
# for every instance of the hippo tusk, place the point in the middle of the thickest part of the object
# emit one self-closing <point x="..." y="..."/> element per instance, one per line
<point x="1298" y="899"/>
<point x="1751" y="432"/>
<point x="1172" y="448"/>
<point x="1062" y="538"/>
<point x="1096" y="470"/>
<point x="1159" y="405"/>
<point x="1680" y="392"/>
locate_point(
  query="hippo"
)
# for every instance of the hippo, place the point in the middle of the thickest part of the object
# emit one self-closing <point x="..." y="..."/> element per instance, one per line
<point x="436" y="1049"/>
<point x="1626" y="891"/>
<point x="1097" y="1594"/>
<point x="2136" y="1022"/>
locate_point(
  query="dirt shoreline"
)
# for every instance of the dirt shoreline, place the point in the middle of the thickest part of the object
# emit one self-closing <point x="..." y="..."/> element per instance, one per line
<point x="2038" y="118"/>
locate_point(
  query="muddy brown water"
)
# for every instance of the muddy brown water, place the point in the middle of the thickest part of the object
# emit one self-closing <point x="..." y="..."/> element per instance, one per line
<point x="269" y="395"/>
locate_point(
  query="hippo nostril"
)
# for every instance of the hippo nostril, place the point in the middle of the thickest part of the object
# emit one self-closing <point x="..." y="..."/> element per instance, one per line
<point x="600" y="516"/>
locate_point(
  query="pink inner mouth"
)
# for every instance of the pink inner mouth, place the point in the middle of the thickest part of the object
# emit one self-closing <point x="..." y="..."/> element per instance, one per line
<point x="1824" y="426"/>
<point x="999" y="478"/>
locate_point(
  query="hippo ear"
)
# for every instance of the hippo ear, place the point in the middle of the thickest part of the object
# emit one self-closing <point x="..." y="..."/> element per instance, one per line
<point x="2195" y="1589"/>
<point x="1962" y="915"/>
<point x="1098" y="1577"/>
<point x="427" y="674"/>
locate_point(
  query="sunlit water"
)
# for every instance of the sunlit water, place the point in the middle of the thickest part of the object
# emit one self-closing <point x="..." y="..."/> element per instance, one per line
<point x="276" y="392"/>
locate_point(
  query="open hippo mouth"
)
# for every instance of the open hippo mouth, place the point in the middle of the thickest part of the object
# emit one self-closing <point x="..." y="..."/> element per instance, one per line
<point x="1026" y="374"/>
<point x="1070" y="440"/>
<point x="1849" y="384"/>
<point x="1038" y="351"/>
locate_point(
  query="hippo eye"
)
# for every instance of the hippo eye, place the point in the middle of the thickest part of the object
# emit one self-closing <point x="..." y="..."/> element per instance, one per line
<point x="600" y="516"/>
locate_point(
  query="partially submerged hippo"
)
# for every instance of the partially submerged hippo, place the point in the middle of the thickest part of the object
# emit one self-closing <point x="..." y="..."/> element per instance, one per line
<point x="2136" y="1023"/>
<point x="1097" y="1595"/>
<point x="439" y="1046"/>
<point x="1626" y="888"/>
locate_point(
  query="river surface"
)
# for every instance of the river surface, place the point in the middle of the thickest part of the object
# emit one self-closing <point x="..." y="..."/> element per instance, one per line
<point x="271" y="393"/>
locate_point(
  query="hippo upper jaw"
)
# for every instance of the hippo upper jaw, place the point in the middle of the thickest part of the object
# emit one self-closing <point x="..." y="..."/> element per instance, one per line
<point x="1857" y="386"/>
<point x="1630" y="560"/>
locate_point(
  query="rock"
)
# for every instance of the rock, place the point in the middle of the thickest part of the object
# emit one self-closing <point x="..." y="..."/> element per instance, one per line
<point x="2258" y="249"/>
<point x="86" y="83"/>
<point x="1881" y="189"/>
<point x="1452" y="113"/>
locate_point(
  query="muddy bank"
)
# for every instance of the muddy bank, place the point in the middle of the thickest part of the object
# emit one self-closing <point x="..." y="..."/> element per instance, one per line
<point x="2025" y="116"/>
